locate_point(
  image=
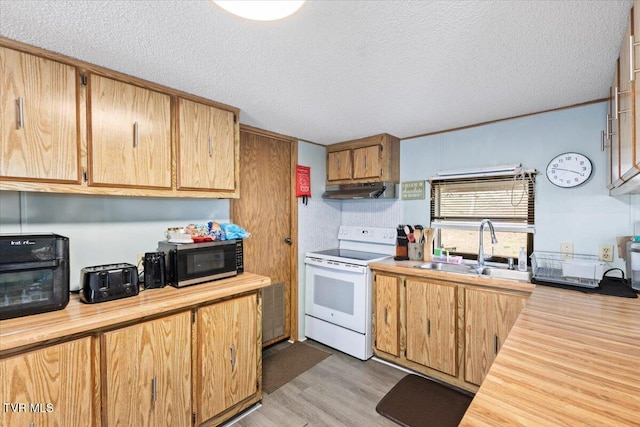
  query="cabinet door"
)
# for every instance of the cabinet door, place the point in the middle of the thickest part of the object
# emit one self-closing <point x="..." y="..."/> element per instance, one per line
<point x="432" y="325"/>
<point x="227" y="355"/>
<point x="339" y="165"/>
<point x="489" y="316"/>
<point x="130" y="135"/>
<point x="49" y="387"/>
<point x="206" y="147"/>
<point x="38" y="125"/>
<point x="387" y="320"/>
<point x="147" y="373"/>
<point x="613" y="152"/>
<point x="367" y="162"/>
<point x="626" y="134"/>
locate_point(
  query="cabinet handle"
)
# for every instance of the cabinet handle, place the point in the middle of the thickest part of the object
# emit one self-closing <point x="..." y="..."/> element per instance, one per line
<point x="233" y="355"/>
<point x="365" y="161"/>
<point x="428" y="327"/>
<point x="210" y="146"/>
<point x="338" y="162"/>
<point x="618" y="112"/>
<point x="602" y="140"/>
<point x="385" y="315"/>
<point x="135" y="134"/>
<point x="496" y="342"/>
<point x="631" y="68"/>
<point x="20" y="112"/>
<point x="154" y="389"/>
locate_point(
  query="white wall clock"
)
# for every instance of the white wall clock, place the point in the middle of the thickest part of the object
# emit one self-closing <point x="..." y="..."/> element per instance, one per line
<point x="569" y="170"/>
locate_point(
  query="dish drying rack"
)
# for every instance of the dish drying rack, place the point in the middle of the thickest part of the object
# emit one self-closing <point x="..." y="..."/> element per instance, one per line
<point x="577" y="270"/>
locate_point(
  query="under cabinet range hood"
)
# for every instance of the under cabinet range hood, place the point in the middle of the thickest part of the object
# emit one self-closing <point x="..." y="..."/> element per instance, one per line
<point x="365" y="190"/>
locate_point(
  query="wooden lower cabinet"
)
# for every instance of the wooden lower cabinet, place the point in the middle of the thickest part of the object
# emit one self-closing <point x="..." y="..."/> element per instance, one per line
<point x="147" y="373"/>
<point x="432" y="328"/>
<point x="227" y="372"/>
<point x="387" y="319"/>
<point x="52" y="386"/>
<point x="447" y="330"/>
<point x="489" y="316"/>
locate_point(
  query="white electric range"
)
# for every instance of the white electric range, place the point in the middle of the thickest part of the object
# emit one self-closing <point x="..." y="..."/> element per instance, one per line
<point x="339" y="288"/>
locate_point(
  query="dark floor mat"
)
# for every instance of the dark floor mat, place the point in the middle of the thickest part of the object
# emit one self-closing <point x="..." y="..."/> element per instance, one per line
<point x="419" y="402"/>
<point x="284" y="365"/>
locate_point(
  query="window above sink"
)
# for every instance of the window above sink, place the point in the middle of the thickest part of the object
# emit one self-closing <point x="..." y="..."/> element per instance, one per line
<point x="460" y="203"/>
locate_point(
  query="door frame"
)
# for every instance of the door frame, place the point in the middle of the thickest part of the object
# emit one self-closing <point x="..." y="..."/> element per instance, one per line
<point x="293" y="231"/>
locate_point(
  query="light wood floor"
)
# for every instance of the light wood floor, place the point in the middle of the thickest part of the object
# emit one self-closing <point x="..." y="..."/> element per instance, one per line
<point x="339" y="391"/>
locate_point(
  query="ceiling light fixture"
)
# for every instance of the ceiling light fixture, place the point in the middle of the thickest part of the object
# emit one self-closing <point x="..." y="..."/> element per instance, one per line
<point x="260" y="10"/>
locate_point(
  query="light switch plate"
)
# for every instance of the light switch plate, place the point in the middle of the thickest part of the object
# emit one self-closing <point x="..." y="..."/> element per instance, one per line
<point x="606" y="253"/>
<point x="566" y="250"/>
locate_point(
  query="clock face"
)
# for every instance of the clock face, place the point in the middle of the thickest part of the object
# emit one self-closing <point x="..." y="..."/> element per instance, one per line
<point x="569" y="170"/>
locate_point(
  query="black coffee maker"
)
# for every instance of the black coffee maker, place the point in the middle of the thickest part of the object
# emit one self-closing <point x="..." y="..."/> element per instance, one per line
<point x="154" y="272"/>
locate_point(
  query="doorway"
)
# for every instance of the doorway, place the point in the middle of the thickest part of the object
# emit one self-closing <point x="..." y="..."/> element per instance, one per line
<point x="267" y="209"/>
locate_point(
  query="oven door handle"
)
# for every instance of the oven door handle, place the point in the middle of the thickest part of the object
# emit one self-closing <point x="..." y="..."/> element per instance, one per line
<point x="334" y="265"/>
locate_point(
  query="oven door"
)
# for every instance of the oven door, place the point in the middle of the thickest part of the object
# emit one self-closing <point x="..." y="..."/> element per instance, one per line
<point x="337" y="293"/>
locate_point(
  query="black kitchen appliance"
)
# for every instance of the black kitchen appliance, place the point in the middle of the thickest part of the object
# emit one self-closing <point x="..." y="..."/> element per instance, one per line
<point x="108" y="282"/>
<point x="34" y="274"/>
<point x="154" y="270"/>
<point x="193" y="263"/>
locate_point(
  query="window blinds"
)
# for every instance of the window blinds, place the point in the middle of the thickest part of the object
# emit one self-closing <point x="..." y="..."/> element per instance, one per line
<point x="507" y="201"/>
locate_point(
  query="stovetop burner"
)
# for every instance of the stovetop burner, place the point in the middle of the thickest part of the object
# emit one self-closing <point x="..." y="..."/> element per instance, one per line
<point x="351" y="254"/>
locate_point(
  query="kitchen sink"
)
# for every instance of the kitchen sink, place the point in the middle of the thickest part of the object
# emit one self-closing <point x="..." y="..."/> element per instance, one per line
<point x="453" y="268"/>
<point x="503" y="273"/>
<point x="471" y="269"/>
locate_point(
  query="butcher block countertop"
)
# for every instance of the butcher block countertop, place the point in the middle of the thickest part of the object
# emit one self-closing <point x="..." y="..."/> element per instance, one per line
<point x="79" y="319"/>
<point x="571" y="359"/>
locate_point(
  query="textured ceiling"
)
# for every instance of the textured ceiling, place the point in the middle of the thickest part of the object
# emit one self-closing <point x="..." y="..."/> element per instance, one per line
<point x="339" y="70"/>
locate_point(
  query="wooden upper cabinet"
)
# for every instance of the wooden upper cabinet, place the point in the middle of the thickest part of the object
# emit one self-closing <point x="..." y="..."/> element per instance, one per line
<point x="387" y="314"/>
<point x="339" y="165"/>
<point x="367" y="162"/>
<point x="147" y="371"/>
<point x="39" y="134"/>
<point x="206" y="147"/>
<point x="227" y="351"/>
<point x="489" y="316"/>
<point x="432" y="327"/>
<point x="613" y="142"/>
<point x="55" y="385"/>
<point x="372" y="159"/>
<point x="129" y="135"/>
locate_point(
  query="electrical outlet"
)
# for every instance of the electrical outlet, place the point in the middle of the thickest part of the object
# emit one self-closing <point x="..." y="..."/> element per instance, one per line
<point x="606" y="253"/>
<point x="566" y="250"/>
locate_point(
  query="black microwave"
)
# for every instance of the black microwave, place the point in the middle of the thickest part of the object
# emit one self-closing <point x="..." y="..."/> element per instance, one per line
<point x="192" y="263"/>
<point x="34" y="274"/>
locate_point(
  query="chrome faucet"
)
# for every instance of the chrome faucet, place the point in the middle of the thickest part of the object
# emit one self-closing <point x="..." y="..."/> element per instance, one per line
<point x="481" y="256"/>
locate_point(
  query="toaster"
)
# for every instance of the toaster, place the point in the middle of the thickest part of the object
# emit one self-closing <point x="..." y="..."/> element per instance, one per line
<point x="108" y="282"/>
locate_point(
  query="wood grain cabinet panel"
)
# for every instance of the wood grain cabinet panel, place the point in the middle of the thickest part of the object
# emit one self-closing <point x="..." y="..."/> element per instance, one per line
<point x="432" y="327"/>
<point x="387" y="314"/>
<point x="147" y="373"/>
<point x="489" y="316"/>
<point x="367" y="162"/>
<point x="52" y="386"/>
<point x="206" y="147"/>
<point x="130" y="135"/>
<point x="371" y="159"/>
<point x="339" y="165"/>
<point x="226" y="355"/>
<point x="39" y="136"/>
